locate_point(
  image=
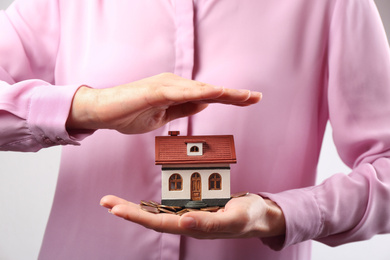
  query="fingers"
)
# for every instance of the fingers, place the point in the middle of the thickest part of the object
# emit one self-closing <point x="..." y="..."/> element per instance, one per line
<point x="224" y="224"/>
<point x="202" y="225"/>
<point x="253" y="98"/>
<point x="166" y="223"/>
<point x="173" y="88"/>
<point x="110" y="201"/>
<point x="229" y="97"/>
<point x="168" y="87"/>
<point x="133" y="212"/>
<point x="183" y="110"/>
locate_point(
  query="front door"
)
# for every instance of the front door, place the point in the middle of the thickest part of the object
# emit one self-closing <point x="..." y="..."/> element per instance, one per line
<point x="196" y="186"/>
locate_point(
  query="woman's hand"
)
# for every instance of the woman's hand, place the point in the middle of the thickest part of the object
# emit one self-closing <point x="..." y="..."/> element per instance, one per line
<point x="248" y="216"/>
<point x="149" y="103"/>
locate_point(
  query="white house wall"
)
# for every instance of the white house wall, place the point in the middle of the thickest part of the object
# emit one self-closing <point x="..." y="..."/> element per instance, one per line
<point x="185" y="193"/>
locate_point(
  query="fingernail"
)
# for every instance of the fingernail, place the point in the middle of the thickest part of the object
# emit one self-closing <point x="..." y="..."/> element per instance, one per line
<point x="188" y="222"/>
<point x="257" y="94"/>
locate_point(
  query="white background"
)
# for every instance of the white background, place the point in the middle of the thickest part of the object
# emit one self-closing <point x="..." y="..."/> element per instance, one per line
<point x="27" y="184"/>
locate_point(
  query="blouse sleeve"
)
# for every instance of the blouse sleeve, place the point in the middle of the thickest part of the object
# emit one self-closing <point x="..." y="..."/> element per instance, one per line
<point x="33" y="110"/>
<point x="353" y="207"/>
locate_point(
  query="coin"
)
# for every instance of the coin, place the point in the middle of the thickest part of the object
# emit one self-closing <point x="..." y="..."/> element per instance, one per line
<point x="210" y="209"/>
<point x="239" y="194"/>
<point x="166" y="211"/>
<point x="153" y="203"/>
<point x="143" y="202"/>
<point x="181" y="212"/>
<point x="156" y="208"/>
<point x="150" y="209"/>
<point x="172" y="208"/>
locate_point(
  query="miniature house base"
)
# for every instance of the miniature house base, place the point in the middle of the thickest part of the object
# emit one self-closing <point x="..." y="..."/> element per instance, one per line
<point x="195" y="169"/>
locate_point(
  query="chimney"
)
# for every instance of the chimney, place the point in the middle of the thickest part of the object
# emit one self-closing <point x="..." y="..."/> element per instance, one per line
<point x="173" y="133"/>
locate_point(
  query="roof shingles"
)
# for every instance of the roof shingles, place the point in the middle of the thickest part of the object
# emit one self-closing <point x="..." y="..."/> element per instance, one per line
<point x="216" y="149"/>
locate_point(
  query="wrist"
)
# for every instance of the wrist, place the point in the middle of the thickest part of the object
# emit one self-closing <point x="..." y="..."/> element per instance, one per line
<point x="275" y="219"/>
<point x="81" y="114"/>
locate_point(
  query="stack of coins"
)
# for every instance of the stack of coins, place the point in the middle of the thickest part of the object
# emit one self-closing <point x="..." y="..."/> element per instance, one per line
<point x="156" y="208"/>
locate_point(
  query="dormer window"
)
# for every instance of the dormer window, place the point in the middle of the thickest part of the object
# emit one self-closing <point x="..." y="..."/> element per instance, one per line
<point x="194" y="149"/>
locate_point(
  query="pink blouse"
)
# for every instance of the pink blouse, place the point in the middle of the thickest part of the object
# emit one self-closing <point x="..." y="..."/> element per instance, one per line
<point x="313" y="61"/>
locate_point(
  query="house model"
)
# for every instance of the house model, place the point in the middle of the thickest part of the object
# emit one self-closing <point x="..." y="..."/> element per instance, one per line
<point x="195" y="169"/>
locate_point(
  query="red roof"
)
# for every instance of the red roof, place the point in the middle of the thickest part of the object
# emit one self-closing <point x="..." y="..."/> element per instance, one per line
<point x="216" y="149"/>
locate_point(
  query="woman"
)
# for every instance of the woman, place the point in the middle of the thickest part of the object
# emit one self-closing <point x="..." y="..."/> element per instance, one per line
<point x="313" y="61"/>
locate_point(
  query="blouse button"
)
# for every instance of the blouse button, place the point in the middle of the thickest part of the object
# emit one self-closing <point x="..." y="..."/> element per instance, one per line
<point x="47" y="141"/>
<point x="60" y="140"/>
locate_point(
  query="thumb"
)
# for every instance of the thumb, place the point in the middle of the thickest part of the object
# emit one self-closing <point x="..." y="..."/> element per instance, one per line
<point x="185" y="109"/>
<point x="203" y="221"/>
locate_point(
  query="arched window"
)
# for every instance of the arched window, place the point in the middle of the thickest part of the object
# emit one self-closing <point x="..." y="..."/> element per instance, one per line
<point x="175" y="182"/>
<point x="215" y="182"/>
<point x="194" y="149"/>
